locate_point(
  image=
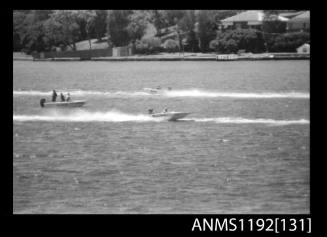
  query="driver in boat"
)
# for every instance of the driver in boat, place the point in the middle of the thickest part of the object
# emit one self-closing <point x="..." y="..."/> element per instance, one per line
<point x="54" y="96"/>
<point x="165" y="110"/>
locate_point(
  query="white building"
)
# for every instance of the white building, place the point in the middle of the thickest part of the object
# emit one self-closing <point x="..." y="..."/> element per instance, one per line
<point x="248" y="19"/>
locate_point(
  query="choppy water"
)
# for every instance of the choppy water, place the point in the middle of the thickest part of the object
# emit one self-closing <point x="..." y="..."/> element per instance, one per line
<point x="244" y="148"/>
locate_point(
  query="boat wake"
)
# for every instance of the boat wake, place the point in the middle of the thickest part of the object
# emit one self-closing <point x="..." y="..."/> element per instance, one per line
<point x="117" y="116"/>
<point x="262" y="95"/>
<point x="172" y="93"/>
<point x="237" y="120"/>
<point x="84" y="116"/>
<point x="83" y="93"/>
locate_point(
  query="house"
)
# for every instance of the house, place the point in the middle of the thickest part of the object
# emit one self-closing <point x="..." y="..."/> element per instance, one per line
<point x="171" y="32"/>
<point x="305" y="48"/>
<point x="248" y="19"/>
<point x="300" y="22"/>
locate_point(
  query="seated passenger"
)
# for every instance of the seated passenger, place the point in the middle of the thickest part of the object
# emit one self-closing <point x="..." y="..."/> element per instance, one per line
<point x="68" y="97"/>
<point x="62" y="97"/>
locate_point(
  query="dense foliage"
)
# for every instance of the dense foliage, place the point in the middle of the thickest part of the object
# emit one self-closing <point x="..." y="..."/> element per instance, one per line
<point x="231" y="41"/>
<point x="148" y="46"/>
<point x="287" y="42"/>
<point x="171" y="45"/>
<point x="175" y="30"/>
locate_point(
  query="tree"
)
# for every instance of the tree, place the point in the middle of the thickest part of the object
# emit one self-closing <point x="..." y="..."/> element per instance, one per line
<point x="18" y="20"/>
<point x="186" y="24"/>
<point x="138" y="22"/>
<point x="29" y="29"/>
<point x="202" y="29"/>
<point x="100" y="23"/>
<point x="62" y="27"/>
<point x="117" y="23"/>
<point x="158" y="20"/>
<point x="172" y="16"/>
<point x="87" y="16"/>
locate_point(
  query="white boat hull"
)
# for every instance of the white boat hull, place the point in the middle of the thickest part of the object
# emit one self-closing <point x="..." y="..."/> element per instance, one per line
<point x="70" y="104"/>
<point x="171" y="116"/>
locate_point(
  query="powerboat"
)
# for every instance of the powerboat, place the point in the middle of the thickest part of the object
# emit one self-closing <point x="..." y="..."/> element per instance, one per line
<point x="171" y="116"/>
<point x="152" y="90"/>
<point x="65" y="104"/>
<point x="156" y="90"/>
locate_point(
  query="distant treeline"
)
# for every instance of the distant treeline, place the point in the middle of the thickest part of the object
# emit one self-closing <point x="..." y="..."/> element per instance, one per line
<point x="195" y="31"/>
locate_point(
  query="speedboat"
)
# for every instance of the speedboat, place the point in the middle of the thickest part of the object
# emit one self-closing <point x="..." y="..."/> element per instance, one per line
<point x="152" y="90"/>
<point x="156" y="90"/>
<point x="171" y="116"/>
<point x="69" y="104"/>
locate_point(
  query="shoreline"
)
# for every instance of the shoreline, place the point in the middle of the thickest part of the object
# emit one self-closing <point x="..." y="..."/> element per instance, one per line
<point x="178" y="57"/>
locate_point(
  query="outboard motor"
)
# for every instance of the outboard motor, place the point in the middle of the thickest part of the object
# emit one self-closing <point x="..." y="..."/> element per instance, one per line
<point x="42" y="101"/>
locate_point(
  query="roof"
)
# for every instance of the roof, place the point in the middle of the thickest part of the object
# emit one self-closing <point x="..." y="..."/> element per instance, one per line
<point x="252" y="17"/>
<point x="169" y="35"/>
<point x="290" y="14"/>
<point x="303" y="16"/>
<point x="246" y="16"/>
<point x="304" y="45"/>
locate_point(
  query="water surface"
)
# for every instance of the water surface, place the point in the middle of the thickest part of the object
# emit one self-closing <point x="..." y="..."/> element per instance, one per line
<point x="244" y="148"/>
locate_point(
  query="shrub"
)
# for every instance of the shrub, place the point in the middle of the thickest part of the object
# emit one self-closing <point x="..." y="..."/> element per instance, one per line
<point x="148" y="45"/>
<point x="26" y="50"/>
<point x="231" y="41"/>
<point x="171" y="45"/>
<point x="287" y="42"/>
<point x="213" y="44"/>
<point x="192" y="43"/>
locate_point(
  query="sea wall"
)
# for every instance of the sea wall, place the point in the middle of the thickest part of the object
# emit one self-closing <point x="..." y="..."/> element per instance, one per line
<point x="81" y="54"/>
<point x="107" y="55"/>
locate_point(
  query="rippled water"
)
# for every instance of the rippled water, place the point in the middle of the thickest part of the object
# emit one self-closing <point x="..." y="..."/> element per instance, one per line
<point x="244" y="148"/>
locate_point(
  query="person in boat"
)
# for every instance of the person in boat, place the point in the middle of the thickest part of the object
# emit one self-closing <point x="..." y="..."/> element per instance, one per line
<point x="68" y="97"/>
<point x="54" y="95"/>
<point x="165" y="110"/>
<point x="62" y="97"/>
<point x="158" y="87"/>
<point x="150" y="111"/>
<point x="169" y="88"/>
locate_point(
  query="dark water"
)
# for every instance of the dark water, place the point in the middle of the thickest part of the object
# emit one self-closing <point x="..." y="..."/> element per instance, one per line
<point x="244" y="148"/>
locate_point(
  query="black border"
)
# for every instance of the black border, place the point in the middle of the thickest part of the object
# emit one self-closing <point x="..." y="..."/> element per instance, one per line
<point x="153" y="223"/>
